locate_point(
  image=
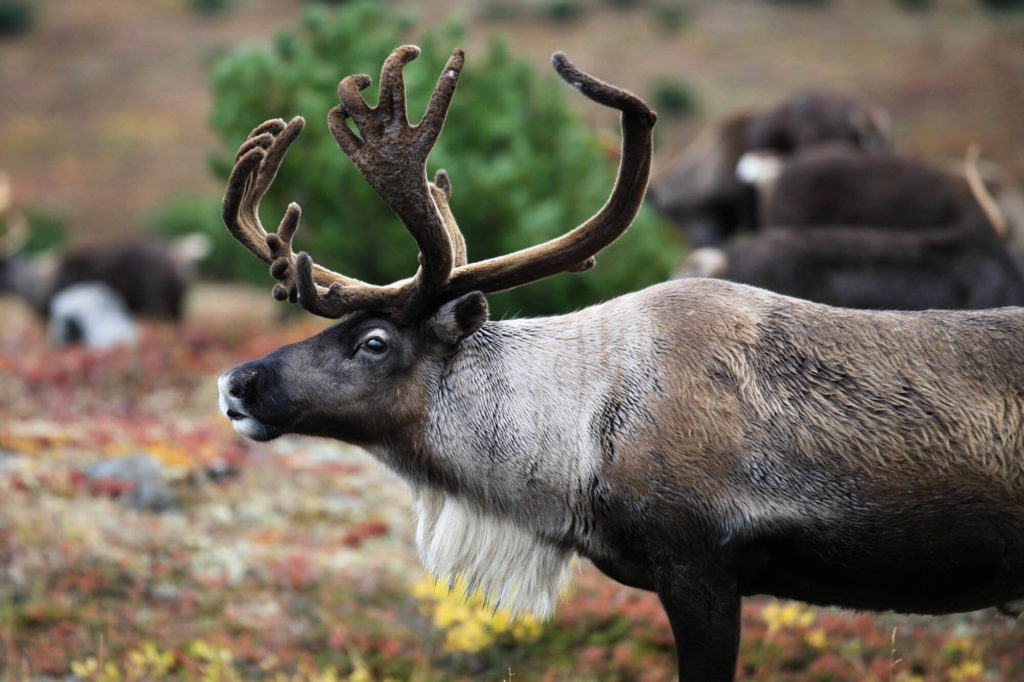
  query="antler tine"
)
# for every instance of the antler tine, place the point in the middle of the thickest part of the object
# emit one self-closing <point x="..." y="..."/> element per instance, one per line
<point x="256" y="164"/>
<point x="240" y="209"/>
<point x="392" y="156"/>
<point x="574" y="251"/>
<point x="441" y="189"/>
<point x="391" y="102"/>
<point x="976" y="184"/>
<point x="437" y="109"/>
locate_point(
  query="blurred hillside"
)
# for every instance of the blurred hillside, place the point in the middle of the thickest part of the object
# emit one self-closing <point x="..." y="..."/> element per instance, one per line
<point x="104" y="104"/>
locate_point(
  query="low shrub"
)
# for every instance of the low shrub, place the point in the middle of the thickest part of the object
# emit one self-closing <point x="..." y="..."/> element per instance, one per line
<point x="1003" y="4"/>
<point x="563" y="10"/>
<point x="16" y="17"/>
<point x="807" y="3"/>
<point x="915" y="5"/>
<point x="524" y="166"/>
<point x="47" y="230"/>
<point x="209" y="7"/>
<point x="187" y="214"/>
<point x="671" y="18"/>
<point x="673" y="98"/>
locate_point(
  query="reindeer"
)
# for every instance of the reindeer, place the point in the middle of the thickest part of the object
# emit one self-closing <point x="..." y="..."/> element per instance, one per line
<point x="150" y="277"/>
<point x="709" y="191"/>
<point x="956" y="267"/>
<point x="702" y="439"/>
<point x="878" y="232"/>
<point x="835" y="185"/>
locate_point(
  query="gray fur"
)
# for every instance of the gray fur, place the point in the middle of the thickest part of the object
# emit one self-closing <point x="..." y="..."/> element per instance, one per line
<point x="523" y="450"/>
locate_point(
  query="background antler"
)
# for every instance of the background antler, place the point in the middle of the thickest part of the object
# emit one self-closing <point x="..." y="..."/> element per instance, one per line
<point x="391" y="154"/>
<point x="13" y="226"/>
<point x="256" y="165"/>
<point x="989" y="206"/>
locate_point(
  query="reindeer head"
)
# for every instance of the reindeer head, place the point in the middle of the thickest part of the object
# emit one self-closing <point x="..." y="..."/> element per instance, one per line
<point x="364" y="378"/>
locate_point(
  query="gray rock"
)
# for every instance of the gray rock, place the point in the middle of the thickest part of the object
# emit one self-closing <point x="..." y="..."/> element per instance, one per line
<point x="148" y="492"/>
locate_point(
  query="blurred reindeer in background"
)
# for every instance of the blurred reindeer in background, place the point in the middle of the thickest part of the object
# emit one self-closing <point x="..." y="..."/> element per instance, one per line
<point x="885" y="231"/>
<point x="834" y="185"/>
<point x="837" y="217"/>
<point x="706" y="197"/>
<point x="93" y="294"/>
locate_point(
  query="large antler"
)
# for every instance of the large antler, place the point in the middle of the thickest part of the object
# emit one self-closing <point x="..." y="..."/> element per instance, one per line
<point x="256" y="165"/>
<point x="391" y="155"/>
<point x="574" y="251"/>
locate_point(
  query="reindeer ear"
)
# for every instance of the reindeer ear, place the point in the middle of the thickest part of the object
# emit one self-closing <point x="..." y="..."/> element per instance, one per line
<point x="458" y="319"/>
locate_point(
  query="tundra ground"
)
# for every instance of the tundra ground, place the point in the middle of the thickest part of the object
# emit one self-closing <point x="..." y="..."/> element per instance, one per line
<point x="294" y="559"/>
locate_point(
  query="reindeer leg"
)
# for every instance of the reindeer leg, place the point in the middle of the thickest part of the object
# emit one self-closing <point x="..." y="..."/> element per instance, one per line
<point x="703" y="609"/>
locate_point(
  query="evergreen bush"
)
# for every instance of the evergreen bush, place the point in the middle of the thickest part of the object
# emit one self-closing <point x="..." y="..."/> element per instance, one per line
<point x="16" y="16"/>
<point x="524" y="166"/>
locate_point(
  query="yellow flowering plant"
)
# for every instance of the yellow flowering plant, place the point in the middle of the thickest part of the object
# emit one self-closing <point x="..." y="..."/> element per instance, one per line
<point x="469" y="625"/>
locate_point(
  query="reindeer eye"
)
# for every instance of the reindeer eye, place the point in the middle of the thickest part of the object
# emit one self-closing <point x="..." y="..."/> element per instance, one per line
<point x="375" y="345"/>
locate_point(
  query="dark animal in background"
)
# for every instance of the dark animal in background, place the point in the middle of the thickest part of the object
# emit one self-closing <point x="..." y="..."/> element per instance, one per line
<point x="863" y="267"/>
<point x="875" y="231"/>
<point x="149" y="276"/>
<point x="833" y="185"/>
<point x="702" y="439"/>
<point x="701" y="192"/>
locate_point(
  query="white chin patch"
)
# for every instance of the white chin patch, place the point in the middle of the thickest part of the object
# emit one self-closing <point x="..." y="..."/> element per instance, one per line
<point x="254" y="429"/>
<point x="245" y="425"/>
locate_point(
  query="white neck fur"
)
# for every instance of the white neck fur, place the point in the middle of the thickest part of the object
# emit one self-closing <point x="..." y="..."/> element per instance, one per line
<point x="513" y="568"/>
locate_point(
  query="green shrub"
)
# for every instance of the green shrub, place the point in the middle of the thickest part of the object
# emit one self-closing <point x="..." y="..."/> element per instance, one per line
<point x="47" y="230"/>
<point x="16" y="16"/>
<point x="673" y="98"/>
<point x="524" y="167"/>
<point x="563" y="10"/>
<point x="806" y="3"/>
<point x="209" y="7"/>
<point x="671" y="18"/>
<point x="1003" y="4"/>
<point x="915" y="5"/>
<point x="500" y="10"/>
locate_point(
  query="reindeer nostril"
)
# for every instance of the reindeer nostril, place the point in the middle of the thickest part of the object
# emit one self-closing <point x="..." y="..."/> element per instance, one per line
<point x="239" y="383"/>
